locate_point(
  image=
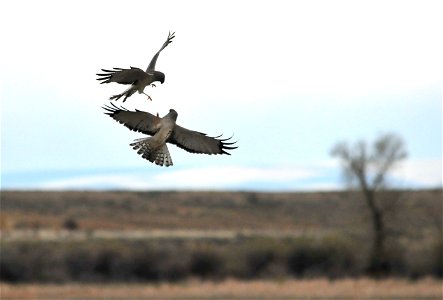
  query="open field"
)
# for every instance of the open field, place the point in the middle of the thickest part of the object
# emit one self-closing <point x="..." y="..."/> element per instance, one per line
<point x="416" y="212"/>
<point x="232" y="289"/>
<point x="62" y="240"/>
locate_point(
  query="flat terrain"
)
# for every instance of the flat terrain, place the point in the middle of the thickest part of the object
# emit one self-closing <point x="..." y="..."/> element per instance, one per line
<point x="157" y="245"/>
<point x="414" y="211"/>
<point x="232" y="289"/>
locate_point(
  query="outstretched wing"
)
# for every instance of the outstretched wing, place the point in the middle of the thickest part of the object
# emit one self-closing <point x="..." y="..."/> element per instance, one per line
<point x="197" y="142"/>
<point x="151" y="66"/>
<point x="122" y="76"/>
<point x="139" y="121"/>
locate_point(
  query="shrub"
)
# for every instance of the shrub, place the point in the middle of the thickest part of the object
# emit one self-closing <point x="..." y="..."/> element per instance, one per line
<point x="70" y="224"/>
<point x="12" y="270"/>
<point x="206" y="264"/>
<point x="30" y="262"/>
<point x="79" y="265"/>
<point x="166" y="260"/>
<point x="438" y="267"/>
<point x="258" y="261"/>
<point x="104" y="264"/>
<point x="329" y="258"/>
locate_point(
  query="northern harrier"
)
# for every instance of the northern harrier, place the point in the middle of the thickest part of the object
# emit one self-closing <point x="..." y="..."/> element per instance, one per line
<point x="137" y="78"/>
<point x="165" y="130"/>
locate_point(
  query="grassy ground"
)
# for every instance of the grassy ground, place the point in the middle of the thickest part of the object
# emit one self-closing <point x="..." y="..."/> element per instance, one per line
<point x="413" y="211"/>
<point x="223" y="219"/>
<point x="231" y="289"/>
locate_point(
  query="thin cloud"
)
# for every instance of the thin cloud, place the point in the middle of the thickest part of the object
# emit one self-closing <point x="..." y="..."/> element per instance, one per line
<point x="222" y="177"/>
<point x="425" y="172"/>
<point x="187" y="179"/>
<point x="129" y="182"/>
<point x="317" y="177"/>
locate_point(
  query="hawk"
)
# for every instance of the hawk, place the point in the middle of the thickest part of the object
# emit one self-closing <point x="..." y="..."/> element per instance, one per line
<point x="137" y="78"/>
<point x="165" y="130"/>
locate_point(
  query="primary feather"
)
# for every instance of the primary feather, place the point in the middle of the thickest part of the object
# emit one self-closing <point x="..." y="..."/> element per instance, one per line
<point x="165" y="130"/>
<point x="136" y="77"/>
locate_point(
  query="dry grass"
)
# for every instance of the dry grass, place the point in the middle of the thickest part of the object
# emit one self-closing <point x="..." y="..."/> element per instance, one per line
<point x="232" y="289"/>
<point x="210" y="210"/>
<point x="155" y="234"/>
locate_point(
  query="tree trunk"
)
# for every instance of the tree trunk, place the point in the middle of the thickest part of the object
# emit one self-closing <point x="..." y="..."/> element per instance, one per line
<point x="378" y="264"/>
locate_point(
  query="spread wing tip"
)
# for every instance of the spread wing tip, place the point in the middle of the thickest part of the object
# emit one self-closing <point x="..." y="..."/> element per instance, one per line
<point x="224" y="145"/>
<point x="112" y="109"/>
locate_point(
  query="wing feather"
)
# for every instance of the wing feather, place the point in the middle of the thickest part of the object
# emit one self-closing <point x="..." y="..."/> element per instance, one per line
<point x="139" y="121"/>
<point x="151" y="66"/>
<point x="122" y="76"/>
<point x="197" y="142"/>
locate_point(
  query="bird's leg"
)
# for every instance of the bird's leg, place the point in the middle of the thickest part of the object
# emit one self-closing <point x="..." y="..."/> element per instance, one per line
<point x="149" y="97"/>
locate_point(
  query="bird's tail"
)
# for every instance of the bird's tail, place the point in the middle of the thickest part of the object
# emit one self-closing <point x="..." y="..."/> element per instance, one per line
<point x="148" y="149"/>
<point x="118" y="96"/>
<point x="128" y="93"/>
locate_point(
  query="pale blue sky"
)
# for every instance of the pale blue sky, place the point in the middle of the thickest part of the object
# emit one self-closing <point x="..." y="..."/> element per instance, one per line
<point x="288" y="78"/>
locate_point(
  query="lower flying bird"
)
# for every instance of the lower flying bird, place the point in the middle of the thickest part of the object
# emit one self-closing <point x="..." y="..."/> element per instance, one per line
<point x="137" y="78"/>
<point x="165" y="130"/>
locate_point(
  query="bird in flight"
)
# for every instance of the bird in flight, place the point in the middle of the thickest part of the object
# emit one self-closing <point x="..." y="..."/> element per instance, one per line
<point x="137" y="78"/>
<point x="165" y="130"/>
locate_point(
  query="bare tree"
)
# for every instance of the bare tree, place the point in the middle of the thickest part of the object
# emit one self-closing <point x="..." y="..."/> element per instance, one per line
<point x="368" y="168"/>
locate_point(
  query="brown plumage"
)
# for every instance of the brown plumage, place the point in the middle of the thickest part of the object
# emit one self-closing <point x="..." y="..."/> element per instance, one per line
<point x="137" y="78"/>
<point x="165" y="130"/>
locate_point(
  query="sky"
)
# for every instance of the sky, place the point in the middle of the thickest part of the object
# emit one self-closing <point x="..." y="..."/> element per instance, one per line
<point x="287" y="79"/>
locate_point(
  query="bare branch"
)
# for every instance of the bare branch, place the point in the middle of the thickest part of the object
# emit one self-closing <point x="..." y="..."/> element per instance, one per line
<point x="357" y="165"/>
<point x="388" y="151"/>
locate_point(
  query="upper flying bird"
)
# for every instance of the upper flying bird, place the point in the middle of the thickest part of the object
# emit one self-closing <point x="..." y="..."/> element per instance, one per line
<point x="165" y="130"/>
<point x="137" y="78"/>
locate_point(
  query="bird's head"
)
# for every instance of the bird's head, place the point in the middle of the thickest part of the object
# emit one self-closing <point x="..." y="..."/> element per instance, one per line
<point x="159" y="76"/>
<point x="173" y="114"/>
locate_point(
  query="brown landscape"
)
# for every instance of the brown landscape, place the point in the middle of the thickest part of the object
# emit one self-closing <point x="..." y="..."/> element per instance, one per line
<point x="207" y="245"/>
<point x="234" y="289"/>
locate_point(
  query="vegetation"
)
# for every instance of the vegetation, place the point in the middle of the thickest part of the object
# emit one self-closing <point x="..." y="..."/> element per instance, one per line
<point x="308" y="213"/>
<point x="369" y="168"/>
<point x="328" y="236"/>
<point x="175" y="260"/>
